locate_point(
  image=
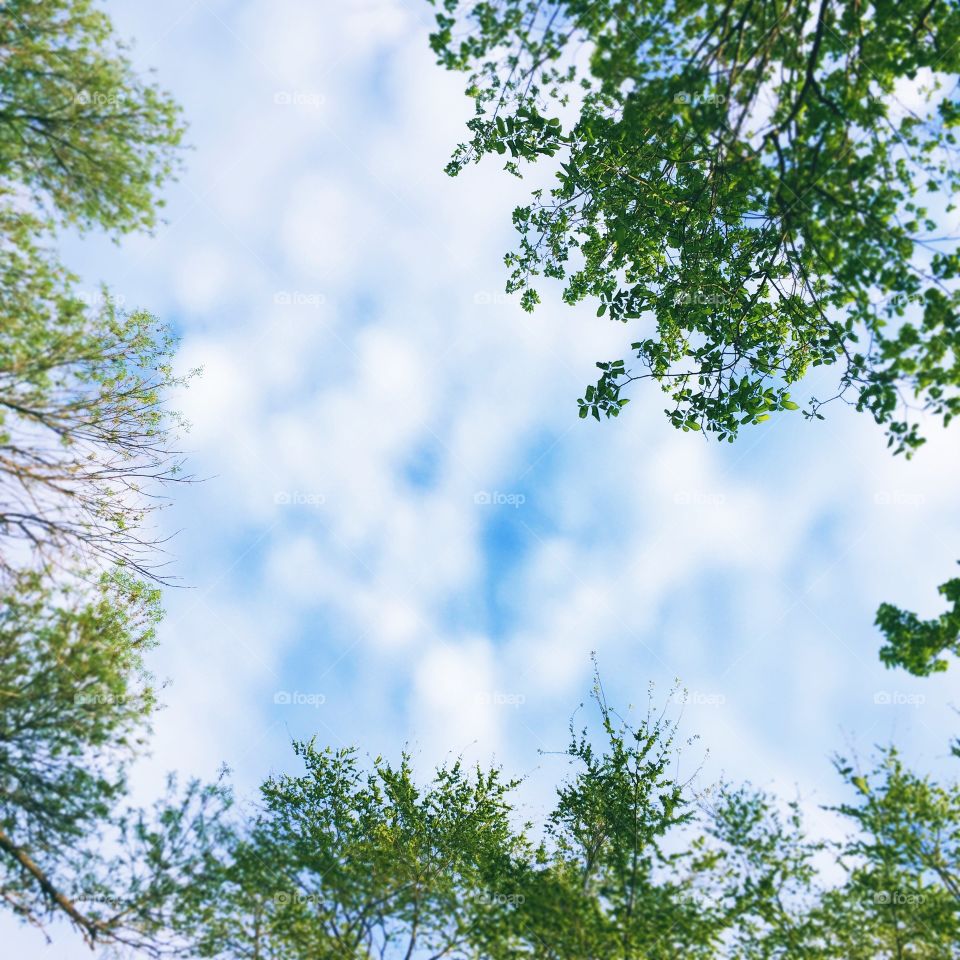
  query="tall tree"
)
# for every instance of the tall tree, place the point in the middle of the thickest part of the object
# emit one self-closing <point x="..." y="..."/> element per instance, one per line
<point x="82" y="135"/>
<point x="85" y="143"/>
<point x="901" y="897"/>
<point x="344" y="863"/>
<point x="75" y="709"/>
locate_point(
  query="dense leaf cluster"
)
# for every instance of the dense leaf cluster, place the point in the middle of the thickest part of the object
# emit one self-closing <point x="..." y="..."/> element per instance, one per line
<point x="75" y="707"/>
<point x="918" y="645"/>
<point x="748" y="184"/>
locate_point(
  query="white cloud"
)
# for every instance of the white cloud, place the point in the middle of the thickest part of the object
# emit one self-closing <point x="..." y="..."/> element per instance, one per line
<point x="455" y="698"/>
<point x="203" y="278"/>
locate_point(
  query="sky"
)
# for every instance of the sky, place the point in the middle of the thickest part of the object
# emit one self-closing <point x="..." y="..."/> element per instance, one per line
<point x="403" y="535"/>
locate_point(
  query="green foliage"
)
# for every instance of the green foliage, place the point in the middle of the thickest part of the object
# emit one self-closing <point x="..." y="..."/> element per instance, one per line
<point x="762" y="868"/>
<point x="606" y="855"/>
<point x="74" y="703"/>
<point x="75" y="709"/>
<point x="82" y="426"/>
<point x="742" y="177"/>
<point x="343" y="863"/>
<point x="81" y="133"/>
<point x="83" y="141"/>
<point x="128" y="898"/>
<point x="902" y="894"/>
<point x="916" y="644"/>
<point x="360" y="861"/>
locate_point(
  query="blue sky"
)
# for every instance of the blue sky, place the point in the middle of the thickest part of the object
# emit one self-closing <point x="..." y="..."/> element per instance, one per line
<point x="405" y="532"/>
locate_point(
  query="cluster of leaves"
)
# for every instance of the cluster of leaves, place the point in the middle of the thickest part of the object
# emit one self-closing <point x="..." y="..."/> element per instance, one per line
<point x="83" y="433"/>
<point x="918" y="645"/>
<point x="74" y="706"/>
<point x="81" y="133"/>
<point x="901" y="897"/>
<point x="744" y="177"/>
<point x="75" y="709"/>
<point x="347" y="862"/>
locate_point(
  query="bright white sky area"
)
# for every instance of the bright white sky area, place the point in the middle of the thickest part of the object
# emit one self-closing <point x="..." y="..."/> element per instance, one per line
<point x="404" y="534"/>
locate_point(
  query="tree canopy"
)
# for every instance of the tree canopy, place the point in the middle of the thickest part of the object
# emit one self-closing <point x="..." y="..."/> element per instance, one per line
<point x="761" y="184"/>
<point x="348" y="859"/>
<point x="758" y="189"/>
<point x="75" y="704"/>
